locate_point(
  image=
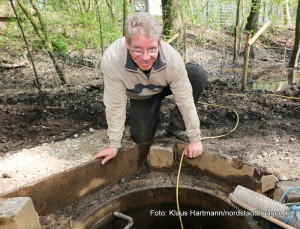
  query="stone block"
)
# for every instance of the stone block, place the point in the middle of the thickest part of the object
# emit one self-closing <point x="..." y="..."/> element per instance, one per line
<point x="18" y="213"/>
<point x="224" y="167"/>
<point x="282" y="186"/>
<point x="268" y="182"/>
<point x="161" y="156"/>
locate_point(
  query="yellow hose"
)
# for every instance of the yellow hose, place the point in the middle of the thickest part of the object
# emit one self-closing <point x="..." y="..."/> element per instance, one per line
<point x="181" y="159"/>
<point x="280" y="96"/>
<point x="177" y="186"/>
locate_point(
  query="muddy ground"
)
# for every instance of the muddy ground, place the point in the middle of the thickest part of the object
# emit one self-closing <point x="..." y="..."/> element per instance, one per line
<point x="267" y="133"/>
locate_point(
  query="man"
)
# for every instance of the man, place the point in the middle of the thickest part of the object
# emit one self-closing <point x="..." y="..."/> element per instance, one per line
<point x="146" y="69"/>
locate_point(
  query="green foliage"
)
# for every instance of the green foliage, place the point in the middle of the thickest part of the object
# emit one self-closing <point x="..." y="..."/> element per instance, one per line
<point x="202" y="41"/>
<point x="37" y="45"/>
<point x="12" y="41"/>
<point x="72" y="29"/>
<point x="78" y="45"/>
<point x="59" y="44"/>
<point x="68" y="28"/>
<point x="80" y="31"/>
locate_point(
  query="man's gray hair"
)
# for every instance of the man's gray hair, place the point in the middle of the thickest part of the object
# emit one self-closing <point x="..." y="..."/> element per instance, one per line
<point x="143" y="24"/>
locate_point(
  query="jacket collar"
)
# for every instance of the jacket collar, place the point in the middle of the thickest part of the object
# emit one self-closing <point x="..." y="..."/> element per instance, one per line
<point x="131" y="66"/>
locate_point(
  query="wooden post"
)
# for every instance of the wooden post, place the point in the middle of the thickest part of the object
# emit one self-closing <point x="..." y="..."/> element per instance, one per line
<point x="173" y="38"/>
<point x="249" y="42"/>
<point x="259" y="32"/>
<point x="246" y="62"/>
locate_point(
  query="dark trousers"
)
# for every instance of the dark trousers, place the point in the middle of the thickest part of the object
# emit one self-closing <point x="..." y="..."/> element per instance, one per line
<point x="143" y="114"/>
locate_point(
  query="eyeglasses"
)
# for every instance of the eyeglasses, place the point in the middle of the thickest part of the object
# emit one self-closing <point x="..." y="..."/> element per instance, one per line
<point x="140" y="51"/>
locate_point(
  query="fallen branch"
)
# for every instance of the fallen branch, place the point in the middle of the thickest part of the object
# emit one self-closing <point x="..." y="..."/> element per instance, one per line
<point x="14" y="65"/>
<point x="279" y="48"/>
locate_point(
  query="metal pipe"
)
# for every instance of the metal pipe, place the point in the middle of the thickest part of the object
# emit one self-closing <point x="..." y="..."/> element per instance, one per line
<point x="126" y="217"/>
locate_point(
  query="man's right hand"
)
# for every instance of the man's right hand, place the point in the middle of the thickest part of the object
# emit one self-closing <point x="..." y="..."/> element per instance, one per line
<point x="107" y="154"/>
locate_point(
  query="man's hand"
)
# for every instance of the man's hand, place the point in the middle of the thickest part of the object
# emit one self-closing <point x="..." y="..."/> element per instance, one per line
<point x="107" y="154"/>
<point x="194" y="149"/>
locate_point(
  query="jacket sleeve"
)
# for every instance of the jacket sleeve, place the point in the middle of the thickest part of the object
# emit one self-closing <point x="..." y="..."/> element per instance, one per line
<point x="115" y="100"/>
<point x="183" y="95"/>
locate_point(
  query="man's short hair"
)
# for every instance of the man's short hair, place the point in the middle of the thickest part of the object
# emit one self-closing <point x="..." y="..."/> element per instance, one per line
<point x="142" y="23"/>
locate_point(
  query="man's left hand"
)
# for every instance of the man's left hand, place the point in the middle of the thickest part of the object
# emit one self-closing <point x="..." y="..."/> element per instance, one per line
<point x="194" y="150"/>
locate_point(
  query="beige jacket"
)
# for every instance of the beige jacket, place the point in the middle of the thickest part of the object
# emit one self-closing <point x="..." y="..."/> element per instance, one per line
<point x="122" y="79"/>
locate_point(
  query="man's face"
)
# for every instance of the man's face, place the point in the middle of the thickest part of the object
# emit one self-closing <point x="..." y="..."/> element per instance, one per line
<point x="143" y="50"/>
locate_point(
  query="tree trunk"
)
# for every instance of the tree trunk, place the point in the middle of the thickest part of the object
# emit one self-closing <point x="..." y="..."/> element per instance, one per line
<point x="38" y="84"/>
<point x="111" y="10"/>
<point x="295" y="55"/>
<point x="204" y="9"/>
<point x="240" y="42"/>
<point x="222" y="15"/>
<point x="192" y="11"/>
<point x="286" y="13"/>
<point x="100" y="25"/>
<point x="236" y="30"/>
<point x="252" y="23"/>
<point x="166" y="15"/>
<point x="173" y="24"/>
<point x="125" y="14"/>
<point x="264" y="11"/>
<point x="80" y="7"/>
<point x="87" y="6"/>
<point x="41" y="31"/>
